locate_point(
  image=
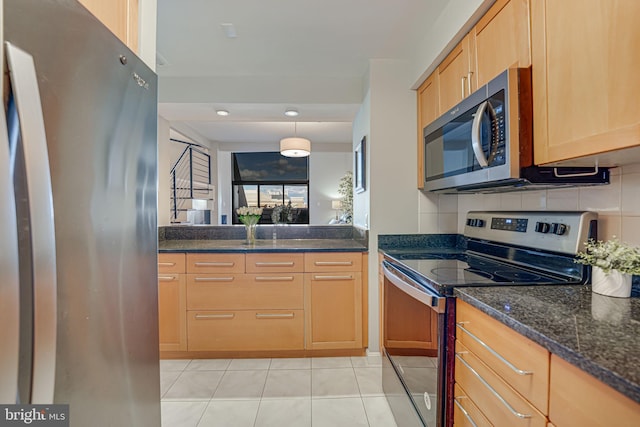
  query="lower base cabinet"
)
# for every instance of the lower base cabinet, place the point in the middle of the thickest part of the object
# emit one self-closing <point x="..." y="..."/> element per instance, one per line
<point x="262" y="302"/>
<point x="245" y="330"/>
<point x="578" y="399"/>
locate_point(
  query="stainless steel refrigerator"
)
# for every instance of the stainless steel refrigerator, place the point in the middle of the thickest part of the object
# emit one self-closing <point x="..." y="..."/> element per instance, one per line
<point x="78" y="238"/>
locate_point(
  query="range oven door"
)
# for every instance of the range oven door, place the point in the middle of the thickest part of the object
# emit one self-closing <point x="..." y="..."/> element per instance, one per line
<point x="414" y="344"/>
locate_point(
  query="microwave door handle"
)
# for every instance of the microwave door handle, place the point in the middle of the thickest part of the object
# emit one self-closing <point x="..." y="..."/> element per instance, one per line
<point x="10" y="283"/>
<point x="476" y="139"/>
<point x="24" y="83"/>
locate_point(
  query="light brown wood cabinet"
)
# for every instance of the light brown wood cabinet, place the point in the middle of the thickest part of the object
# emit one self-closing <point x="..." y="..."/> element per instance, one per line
<point x="501" y="40"/>
<point x="578" y="399"/>
<point x="428" y="110"/>
<point x="120" y="16"/>
<point x="172" y="297"/>
<point x="549" y="389"/>
<point x="504" y="374"/>
<point x="262" y="302"/>
<point x="230" y="310"/>
<point x="333" y="300"/>
<point x="585" y="61"/>
<point x="455" y="74"/>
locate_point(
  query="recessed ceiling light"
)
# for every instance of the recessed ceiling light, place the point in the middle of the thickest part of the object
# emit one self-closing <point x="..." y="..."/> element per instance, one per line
<point x="222" y="112"/>
<point x="291" y="113"/>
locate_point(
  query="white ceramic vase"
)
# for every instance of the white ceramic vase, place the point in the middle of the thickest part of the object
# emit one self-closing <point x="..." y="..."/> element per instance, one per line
<point x="613" y="284"/>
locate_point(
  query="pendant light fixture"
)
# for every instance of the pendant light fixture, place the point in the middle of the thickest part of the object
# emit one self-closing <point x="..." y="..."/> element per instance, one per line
<point x="295" y="146"/>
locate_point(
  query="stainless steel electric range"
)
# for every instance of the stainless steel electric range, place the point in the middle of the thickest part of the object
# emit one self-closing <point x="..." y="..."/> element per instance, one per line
<point x="498" y="248"/>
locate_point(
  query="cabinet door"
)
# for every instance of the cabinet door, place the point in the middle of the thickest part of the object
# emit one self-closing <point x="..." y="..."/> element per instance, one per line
<point x="333" y="310"/>
<point x="427" y="112"/>
<point x="454" y="76"/>
<point x="586" y="88"/>
<point x="578" y="399"/>
<point x="120" y="16"/>
<point x="501" y="40"/>
<point x="172" y="306"/>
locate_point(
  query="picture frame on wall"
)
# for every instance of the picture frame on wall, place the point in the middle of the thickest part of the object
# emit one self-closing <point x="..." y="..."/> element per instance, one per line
<point x="360" y="167"/>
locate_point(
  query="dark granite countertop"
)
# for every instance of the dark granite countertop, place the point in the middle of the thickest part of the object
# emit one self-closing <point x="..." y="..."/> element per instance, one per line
<point x="288" y="238"/>
<point x="599" y="334"/>
<point x="278" y="245"/>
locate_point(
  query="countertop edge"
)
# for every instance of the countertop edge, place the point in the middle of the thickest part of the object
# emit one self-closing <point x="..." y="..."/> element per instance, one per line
<point x="606" y="376"/>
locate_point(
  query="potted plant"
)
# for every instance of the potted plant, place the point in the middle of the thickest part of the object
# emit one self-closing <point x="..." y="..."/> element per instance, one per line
<point x="613" y="263"/>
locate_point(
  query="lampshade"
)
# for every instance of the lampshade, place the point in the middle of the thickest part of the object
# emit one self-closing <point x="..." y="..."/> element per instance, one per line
<point x="295" y="147"/>
<point x="336" y="204"/>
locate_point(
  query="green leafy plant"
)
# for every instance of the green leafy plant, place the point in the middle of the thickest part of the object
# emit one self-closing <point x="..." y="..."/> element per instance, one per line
<point x="345" y="189"/>
<point x="610" y="255"/>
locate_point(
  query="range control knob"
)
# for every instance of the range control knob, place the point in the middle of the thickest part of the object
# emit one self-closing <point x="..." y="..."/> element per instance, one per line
<point x="542" y="227"/>
<point x="559" y="229"/>
<point x="475" y="222"/>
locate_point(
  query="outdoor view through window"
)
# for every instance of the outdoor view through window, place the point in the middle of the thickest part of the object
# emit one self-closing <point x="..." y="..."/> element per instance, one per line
<point x="272" y="181"/>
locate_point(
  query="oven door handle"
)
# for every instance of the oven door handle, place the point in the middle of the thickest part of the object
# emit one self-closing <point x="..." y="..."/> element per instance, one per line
<point x="476" y="137"/>
<point x="424" y="295"/>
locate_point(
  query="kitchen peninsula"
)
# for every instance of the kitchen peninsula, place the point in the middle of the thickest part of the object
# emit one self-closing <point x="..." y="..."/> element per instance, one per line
<point x="282" y="296"/>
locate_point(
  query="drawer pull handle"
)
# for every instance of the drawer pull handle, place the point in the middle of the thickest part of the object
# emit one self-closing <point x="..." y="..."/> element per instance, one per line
<point x="213" y="279"/>
<point x="214" y="316"/>
<point x="464" y="411"/>
<point x="491" y="389"/>
<point x="166" y="264"/>
<point x="330" y="263"/>
<point x="492" y="351"/>
<point x="275" y="264"/>
<point x="274" y="278"/>
<point x="274" y="315"/>
<point x="215" y="264"/>
<point x="166" y="278"/>
<point x="345" y="277"/>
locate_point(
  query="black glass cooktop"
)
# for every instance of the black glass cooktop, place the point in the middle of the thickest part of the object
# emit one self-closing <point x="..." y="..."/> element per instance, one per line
<point x="445" y="270"/>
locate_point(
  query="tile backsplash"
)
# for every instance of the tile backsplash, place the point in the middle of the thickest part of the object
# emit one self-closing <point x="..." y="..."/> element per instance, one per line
<point x="617" y="205"/>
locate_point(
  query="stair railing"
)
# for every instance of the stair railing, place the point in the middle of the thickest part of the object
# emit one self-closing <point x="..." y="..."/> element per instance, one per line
<point x="189" y="176"/>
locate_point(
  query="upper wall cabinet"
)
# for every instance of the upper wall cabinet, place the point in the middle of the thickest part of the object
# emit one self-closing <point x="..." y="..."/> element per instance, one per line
<point x="120" y="16"/>
<point x="501" y="40"/>
<point x="585" y="77"/>
<point x="454" y="76"/>
<point x="427" y="112"/>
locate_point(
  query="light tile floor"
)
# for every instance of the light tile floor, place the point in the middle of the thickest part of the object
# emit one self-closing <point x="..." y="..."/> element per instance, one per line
<point x="310" y="392"/>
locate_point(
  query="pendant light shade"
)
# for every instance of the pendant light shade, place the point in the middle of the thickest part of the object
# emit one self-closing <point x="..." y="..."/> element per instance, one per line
<point x="294" y="146"/>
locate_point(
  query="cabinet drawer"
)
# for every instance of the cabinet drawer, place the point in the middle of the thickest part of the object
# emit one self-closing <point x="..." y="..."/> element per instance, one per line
<point x="275" y="263"/>
<point x="500" y="403"/>
<point x="215" y="263"/>
<point x="245" y="330"/>
<point x="465" y="412"/>
<point x="578" y="399"/>
<point x="519" y="361"/>
<point x="171" y="263"/>
<point x="244" y="291"/>
<point x="332" y="261"/>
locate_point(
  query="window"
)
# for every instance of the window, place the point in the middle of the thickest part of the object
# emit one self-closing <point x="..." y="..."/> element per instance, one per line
<point x="268" y="180"/>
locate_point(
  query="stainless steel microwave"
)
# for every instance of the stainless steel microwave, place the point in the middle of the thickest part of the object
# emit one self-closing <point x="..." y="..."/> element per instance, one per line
<point x="484" y="144"/>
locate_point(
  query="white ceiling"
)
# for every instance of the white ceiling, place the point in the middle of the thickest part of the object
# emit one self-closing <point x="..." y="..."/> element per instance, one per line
<point x="311" y="55"/>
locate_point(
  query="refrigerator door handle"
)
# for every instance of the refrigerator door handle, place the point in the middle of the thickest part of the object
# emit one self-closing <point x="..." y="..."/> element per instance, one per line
<point x="24" y="84"/>
<point x="10" y="283"/>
